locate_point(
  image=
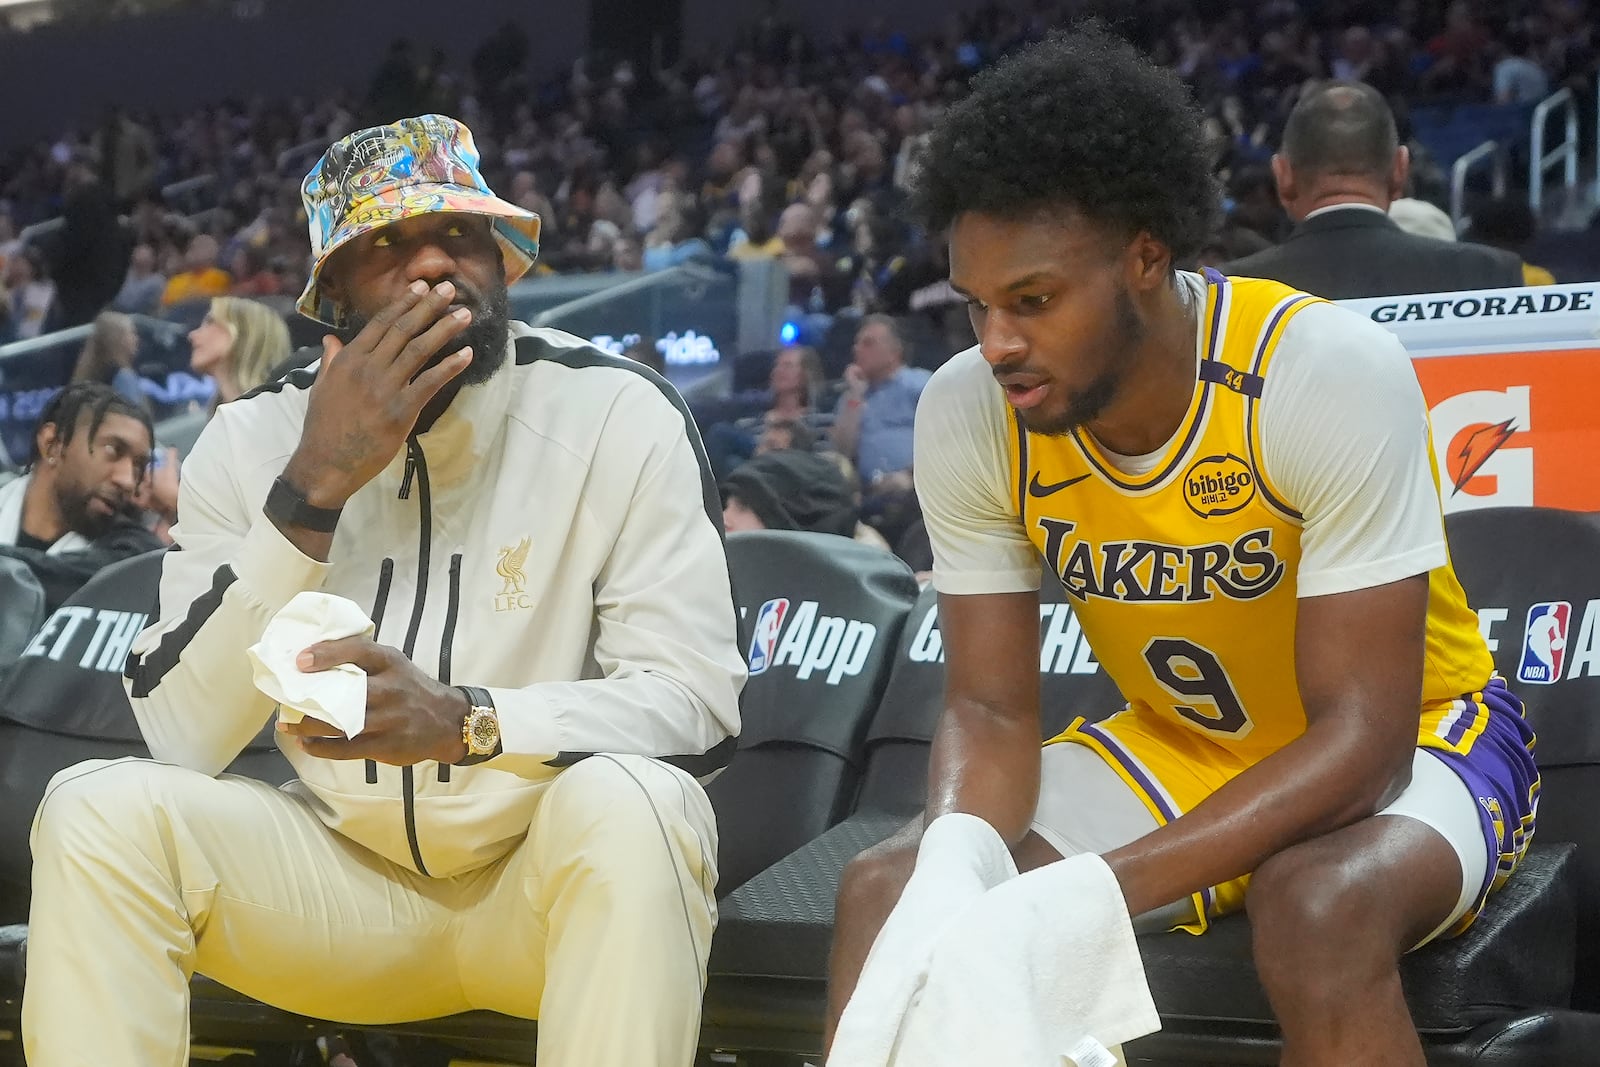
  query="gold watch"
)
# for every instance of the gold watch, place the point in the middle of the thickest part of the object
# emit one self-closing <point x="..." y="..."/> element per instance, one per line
<point x="480" y="729"/>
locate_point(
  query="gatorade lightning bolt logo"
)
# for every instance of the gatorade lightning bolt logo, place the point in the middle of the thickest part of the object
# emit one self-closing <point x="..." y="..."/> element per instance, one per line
<point x="1483" y="443"/>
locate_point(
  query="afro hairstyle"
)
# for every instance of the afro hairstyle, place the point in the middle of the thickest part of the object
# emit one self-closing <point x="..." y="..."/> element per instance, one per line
<point x="1081" y="120"/>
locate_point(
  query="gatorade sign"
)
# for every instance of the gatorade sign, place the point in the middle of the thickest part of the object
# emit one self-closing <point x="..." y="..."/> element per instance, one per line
<point x="1510" y="377"/>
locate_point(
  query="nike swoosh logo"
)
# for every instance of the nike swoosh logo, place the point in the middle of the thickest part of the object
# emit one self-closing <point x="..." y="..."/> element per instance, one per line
<point x="1037" y="490"/>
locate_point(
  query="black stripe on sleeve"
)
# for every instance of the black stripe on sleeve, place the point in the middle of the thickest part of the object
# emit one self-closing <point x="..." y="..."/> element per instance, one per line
<point x="533" y="349"/>
<point x="146" y="672"/>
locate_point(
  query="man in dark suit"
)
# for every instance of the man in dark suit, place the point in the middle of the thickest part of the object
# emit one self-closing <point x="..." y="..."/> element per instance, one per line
<point x="1340" y="167"/>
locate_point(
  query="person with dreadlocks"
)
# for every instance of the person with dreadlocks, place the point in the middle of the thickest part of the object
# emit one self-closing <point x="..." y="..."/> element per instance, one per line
<point x="72" y="512"/>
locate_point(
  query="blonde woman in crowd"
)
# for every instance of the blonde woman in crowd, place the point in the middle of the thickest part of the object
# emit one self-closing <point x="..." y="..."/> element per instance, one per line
<point x="237" y="345"/>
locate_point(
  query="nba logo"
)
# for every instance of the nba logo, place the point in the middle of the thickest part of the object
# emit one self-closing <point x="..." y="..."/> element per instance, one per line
<point x="1544" y="648"/>
<point x="764" y="641"/>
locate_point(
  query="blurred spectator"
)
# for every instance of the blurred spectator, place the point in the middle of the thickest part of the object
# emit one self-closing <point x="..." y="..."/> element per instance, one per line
<point x="792" y="490"/>
<point x="708" y="156"/>
<point x="144" y="285"/>
<point x="1358" y="53"/>
<point x="1340" y="168"/>
<point x="1518" y="77"/>
<point x="1458" y="52"/>
<point x="676" y="240"/>
<point x="32" y="294"/>
<point x="525" y="194"/>
<point x="1422" y="219"/>
<point x="10" y="244"/>
<point x="73" y="512"/>
<point x="239" y="345"/>
<point x="627" y="255"/>
<point x="782" y="435"/>
<point x="873" y="422"/>
<point x="250" y="274"/>
<point x="91" y="253"/>
<point x="1255" y="204"/>
<point x="108" y="356"/>
<point x="1509" y="224"/>
<point x="756" y="237"/>
<point x="128" y="158"/>
<point x="201" y="277"/>
<point x="814" y="283"/>
<point x="795" y="387"/>
<point x="236" y="345"/>
<point x="1229" y="243"/>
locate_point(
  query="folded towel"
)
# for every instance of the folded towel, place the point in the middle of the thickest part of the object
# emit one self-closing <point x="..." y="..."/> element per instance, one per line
<point x="959" y="859"/>
<point x="1042" y="967"/>
<point x="337" y="696"/>
<point x="979" y="965"/>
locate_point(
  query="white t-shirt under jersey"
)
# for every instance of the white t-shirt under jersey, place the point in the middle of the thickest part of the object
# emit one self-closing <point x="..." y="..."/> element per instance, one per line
<point x="1344" y="437"/>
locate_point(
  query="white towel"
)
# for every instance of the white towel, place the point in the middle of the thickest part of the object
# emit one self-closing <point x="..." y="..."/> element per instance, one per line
<point x="337" y="696"/>
<point x="1043" y="967"/>
<point x="959" y="859"/>
<point x="1032" y="971"/>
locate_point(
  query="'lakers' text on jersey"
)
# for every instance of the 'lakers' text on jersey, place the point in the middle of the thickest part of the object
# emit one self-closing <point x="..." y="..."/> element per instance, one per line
<point x="1184" y="576"/>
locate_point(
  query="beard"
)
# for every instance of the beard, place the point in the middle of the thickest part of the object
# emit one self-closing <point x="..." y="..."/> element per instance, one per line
<point x="486" y="336"/>
<point x="80" y="518"/>
<point x="1090" y="402"/>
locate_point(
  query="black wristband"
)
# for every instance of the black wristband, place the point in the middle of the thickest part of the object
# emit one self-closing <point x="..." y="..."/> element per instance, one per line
<point x="286" y="505"/>
<point x="478" y="698"/>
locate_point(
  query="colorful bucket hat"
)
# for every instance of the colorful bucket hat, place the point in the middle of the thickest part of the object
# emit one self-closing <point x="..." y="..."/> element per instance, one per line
<point x="412" y="167"/>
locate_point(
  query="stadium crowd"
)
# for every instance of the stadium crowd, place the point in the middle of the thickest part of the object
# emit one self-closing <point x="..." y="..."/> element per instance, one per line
<point x="782" y="147"/>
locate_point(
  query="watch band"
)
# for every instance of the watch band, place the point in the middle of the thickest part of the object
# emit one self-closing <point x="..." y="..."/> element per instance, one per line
<point x="286" y="504"/>
<point x="478" y="698"/>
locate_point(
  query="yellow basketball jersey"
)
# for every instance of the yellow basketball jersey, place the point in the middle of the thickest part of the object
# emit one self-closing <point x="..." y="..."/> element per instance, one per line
<point x="1184" y="579"/>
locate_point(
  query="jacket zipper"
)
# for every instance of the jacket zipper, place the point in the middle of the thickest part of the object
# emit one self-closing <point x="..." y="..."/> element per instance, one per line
<point x="451" y="610"/>
<point x="417" y="467"/>
<point x="379" y="603"/>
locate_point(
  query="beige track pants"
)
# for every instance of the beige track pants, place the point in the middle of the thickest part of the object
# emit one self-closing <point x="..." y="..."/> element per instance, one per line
<point x="598" y="924"/>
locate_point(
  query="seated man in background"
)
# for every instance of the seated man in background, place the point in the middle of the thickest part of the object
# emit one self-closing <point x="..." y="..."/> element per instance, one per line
<point x="514" y="509"/>
<point x="73" y="511"/>
<point x="787" y="489"/>
<point x="1314" y="729"/>
<point x="872" y="425"/>
<point x="1340" y="168"/>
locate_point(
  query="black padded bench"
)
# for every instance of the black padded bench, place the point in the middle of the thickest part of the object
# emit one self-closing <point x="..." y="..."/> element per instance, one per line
<point x="1507" y="992"/>
<point x="1501" y="993"/>
<point x="769" y="960"/>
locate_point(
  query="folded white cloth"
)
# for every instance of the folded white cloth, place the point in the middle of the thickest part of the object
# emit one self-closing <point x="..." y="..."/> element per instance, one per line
<point x="1041" y="967"/>
<point x="337" y="696"/>
<point x="959" y="859"/>
<point x="1032" y="971"/>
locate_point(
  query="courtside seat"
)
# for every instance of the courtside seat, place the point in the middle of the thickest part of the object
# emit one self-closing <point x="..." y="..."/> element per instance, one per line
<point x="21" y="609"/>
<point x="1501" y="993"/>
<point x="64" y="703"/>
<point x="821" y="617"/>
<point x="770" y="955"/>
<point x="1516" y="565"/>
<point x="1071" y="684"/>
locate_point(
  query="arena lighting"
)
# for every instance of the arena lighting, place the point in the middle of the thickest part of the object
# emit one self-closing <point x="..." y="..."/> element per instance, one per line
<point x="789" y="333"/>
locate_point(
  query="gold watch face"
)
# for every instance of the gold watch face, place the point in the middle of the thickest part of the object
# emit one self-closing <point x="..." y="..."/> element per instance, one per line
<point x="483" y="731"/>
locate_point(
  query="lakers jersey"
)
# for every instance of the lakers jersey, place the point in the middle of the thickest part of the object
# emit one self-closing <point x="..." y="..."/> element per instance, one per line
<point x="1184" y="577"/>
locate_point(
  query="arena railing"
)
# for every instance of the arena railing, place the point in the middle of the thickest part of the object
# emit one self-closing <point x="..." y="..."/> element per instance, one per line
<point x="1490" y="153"/>
<point x="1541" y="162"/>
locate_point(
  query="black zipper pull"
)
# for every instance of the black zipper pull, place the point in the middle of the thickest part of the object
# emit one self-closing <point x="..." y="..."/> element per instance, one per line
<point x="411" y="469"/>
